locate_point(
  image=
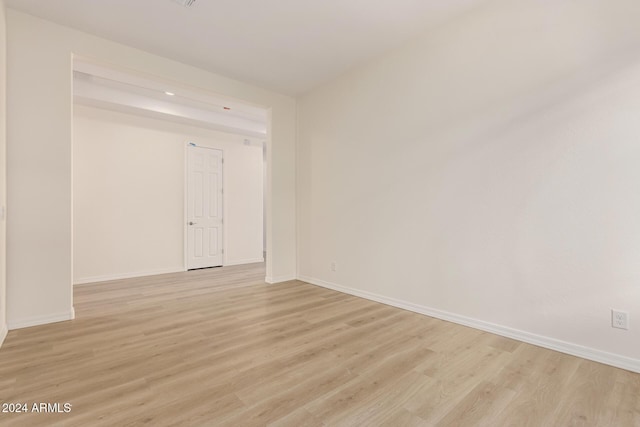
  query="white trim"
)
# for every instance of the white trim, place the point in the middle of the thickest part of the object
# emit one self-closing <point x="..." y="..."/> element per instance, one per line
<point x="108" y="277"/>
<point x="279" y="279"/>
<point x="244" y="261"/>
<point x="3" y="334"/>
<point x="616" y="360"/>
<point x="185" y="195"/>
<point x="42" y="320"/>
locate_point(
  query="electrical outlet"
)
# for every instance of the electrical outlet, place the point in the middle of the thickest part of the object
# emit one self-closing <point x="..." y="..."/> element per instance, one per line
<point x="619" y="319"/>
<point x="334" y="266"/>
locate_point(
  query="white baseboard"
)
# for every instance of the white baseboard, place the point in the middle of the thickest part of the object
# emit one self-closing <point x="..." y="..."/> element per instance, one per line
<point x="243" y="261"/>
<point x="42" y="320"/>
<point x="108" y="277"/>
<point x="3" y="334"/>
<point x="616" y="360"/>
<point x="279" y="279"/>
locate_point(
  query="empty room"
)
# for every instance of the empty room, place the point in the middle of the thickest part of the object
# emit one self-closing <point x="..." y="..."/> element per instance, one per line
<point x="296" y="213"/>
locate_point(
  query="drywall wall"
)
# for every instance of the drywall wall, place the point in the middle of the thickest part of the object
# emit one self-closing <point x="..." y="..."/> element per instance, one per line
<point x="128" y="194"/>
<point x="487" y="173"/>
<point x="3" y="173"/>
<point x="39" y="125"/>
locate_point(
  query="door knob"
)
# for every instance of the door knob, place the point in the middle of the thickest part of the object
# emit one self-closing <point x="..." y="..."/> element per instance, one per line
<point x="192" y="223"/>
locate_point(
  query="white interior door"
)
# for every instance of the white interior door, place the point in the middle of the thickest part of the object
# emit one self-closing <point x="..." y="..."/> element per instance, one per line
<point x="204" y="207"/>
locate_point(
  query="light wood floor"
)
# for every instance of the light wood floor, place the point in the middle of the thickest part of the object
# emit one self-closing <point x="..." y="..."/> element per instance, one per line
<point x="221" y="348"/>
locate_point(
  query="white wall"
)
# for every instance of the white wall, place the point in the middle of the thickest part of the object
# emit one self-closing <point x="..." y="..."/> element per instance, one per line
<point x="128" y="194"/>
<point x="39" y="121"/>
<point x="487" y="173"/>
<point x="3" y="172"/>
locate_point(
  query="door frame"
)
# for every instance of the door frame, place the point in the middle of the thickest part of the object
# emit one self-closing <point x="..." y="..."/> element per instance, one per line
<point x="185" y="215"/>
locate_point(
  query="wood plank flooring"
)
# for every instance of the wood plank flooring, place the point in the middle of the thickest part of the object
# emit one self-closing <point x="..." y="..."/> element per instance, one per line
<point x="221" y="348"/>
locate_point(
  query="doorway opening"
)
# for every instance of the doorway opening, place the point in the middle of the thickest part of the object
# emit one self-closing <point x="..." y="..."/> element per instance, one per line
<point x="131" y="200"/>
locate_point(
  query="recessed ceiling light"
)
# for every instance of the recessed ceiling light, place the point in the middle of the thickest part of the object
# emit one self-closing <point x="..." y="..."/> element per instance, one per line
<point x="169" y="93"/>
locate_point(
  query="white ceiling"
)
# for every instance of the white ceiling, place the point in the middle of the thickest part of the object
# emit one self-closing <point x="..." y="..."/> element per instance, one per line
<point x="114" y="95"/>
<point x="288" y="46"/>
<point x="95" y="86"/>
